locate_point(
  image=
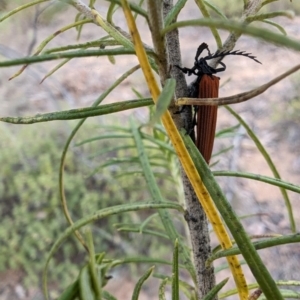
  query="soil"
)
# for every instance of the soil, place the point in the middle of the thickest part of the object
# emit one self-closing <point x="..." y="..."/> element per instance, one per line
<point x="271" y="115"/>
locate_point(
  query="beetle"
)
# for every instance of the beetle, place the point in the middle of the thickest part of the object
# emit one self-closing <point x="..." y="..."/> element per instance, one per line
<point x="206" y="85"/>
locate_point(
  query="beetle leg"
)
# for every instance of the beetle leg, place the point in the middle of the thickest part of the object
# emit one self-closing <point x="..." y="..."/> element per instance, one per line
<point x="196" y="107"/>
<point x="184" y="70"/>
<point x="221" y="69"/>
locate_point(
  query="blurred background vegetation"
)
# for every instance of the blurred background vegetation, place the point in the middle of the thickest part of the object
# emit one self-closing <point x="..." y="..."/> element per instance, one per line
<point x="31" y="214"/>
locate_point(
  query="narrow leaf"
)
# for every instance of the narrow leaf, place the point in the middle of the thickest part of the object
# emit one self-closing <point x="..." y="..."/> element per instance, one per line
<point x="147" y="221"/>
<point x="95" y="280"/>
<point x="266" y="35"/>
<point x="55" y="69"/>
<point x="69" y="54"/>
<point x="139" y="284"/>
<point x="71" y="292"/>
<point x="156" y="195"/>
<point x="278" y="26"/>
<point x="80" y="113"/>
<point x="85" y="285"/>
<point x="260" y="17"/>
<point x="215" y="290"/>
<point x="107" y="296"/>
<point x="47" y="40"/>
<point x="273" y="181"/>
<point x="287" y="294"/>
<point x="96" y="216"/>
<point x="270" y="163"/>
<point x="134" y="7"/>
<point x="65" y="150"/>
<point x="162" y="288"/>
<point x="187" y="163"/>
<point x="175" y="273"/>
<point x="172" y="15"/>
<point x="215" y="9"/>
<point x="241" y="238"/>
<point x="271" y="242"/>
<point x="137" y="230"/>
<point x="20" y="8"/>
<point x="164" y="100"/>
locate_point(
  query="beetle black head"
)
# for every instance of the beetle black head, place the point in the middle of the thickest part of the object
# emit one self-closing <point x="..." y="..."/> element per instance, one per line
<point x="202" y="67"/>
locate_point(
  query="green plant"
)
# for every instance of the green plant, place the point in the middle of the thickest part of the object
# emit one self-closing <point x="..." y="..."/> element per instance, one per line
<point x="30" y="206"/>
<point x="153" y="157"/>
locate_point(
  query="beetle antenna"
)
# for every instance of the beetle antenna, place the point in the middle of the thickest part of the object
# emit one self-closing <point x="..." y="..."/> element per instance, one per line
<point x="236" y="52"/>
<point x="200" y="49"/>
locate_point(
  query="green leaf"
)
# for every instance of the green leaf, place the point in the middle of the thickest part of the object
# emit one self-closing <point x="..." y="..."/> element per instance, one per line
<point x="71" y="292"/>
<point x="241" y="238"/>
<point x="175" y="273"/>
<point x="273" y="181"/>
<point x="164" y="100"/>
<point x="145" y="231"/>
<point x="20" y="8"/>
<point x="133" y="7"/>
<point x="252" y="286"/>
<point x="270" y="163"/>
<point x="156" y="195"/>
<point x="215" y="9"/>
<point x="161" y="144"/>
<point x="138" y="286"/>
<point x="266" y="35"/>
<point x="227" y="132"/>
<point x="147" y="221"/>
<point x="103" y="137"/>
<point x="278" y="26"/>
<point x="98" y="43"/>
<point x="62" y="165"/>
<point x="69" y="54"/>
<point x="215" y="290"/>
<point x="81" y="113"/>
<point x="106" y="295"/>
<point x="143" y="260"/>
<point x="186" y="288"/>
<point x="270" y="242"/>
<point x="97" y="216"/>
<point x="85" y="284"/>
<point x="174" y="12"/>
<point x="162" y="288"/>
<point x="95" y="279"/>
<point x="224" y="150"/>
<point x="267" y="2"/>
<point x="55" y="69"/>
<point x="260" y="17"/>
<point x="107" y="150"/>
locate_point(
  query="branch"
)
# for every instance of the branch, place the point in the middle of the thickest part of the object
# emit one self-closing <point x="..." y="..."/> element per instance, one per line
<point x="242" y="97"/>
<point x="115" y="32"/>
<point x="159" y="42"/>
<point x="251" y="8"/>
<point x="199" y="239"/>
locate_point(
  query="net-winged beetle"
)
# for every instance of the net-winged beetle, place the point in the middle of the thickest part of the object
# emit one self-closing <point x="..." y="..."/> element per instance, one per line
<point x="206" y="85"/>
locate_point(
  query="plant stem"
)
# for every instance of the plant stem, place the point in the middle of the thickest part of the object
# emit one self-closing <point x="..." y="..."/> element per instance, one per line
<point x="197" y="223"/>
